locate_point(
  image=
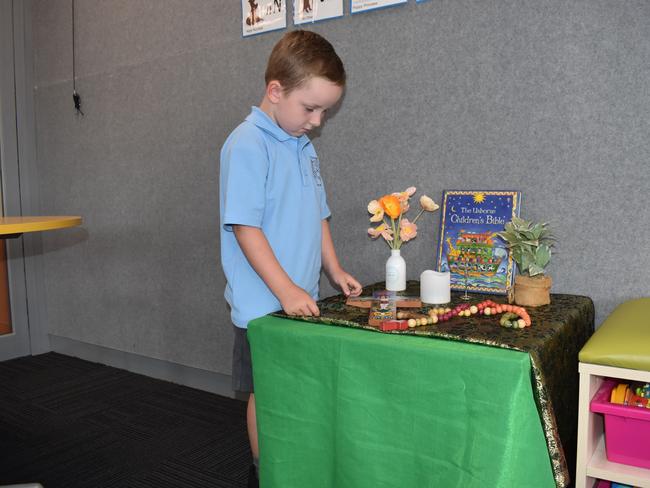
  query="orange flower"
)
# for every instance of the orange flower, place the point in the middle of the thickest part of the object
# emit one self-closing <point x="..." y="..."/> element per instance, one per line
<point x="391" y="205"/>
<point x="404" y="197"/>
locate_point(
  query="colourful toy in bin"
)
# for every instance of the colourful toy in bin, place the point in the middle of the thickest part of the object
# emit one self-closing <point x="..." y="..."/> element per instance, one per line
<point x="619" y="392"/>
<point x="627" y="428"/>
<point x="625" y="394"/>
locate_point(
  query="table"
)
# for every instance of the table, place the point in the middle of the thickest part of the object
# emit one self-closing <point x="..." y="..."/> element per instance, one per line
<point x="11" y="227"/>
<point x="339" y="407"/>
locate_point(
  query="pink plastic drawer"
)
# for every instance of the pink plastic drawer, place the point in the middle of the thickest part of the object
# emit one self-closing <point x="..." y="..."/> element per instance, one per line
<point x="609" y="484"/>
<point x="627" y="429"/>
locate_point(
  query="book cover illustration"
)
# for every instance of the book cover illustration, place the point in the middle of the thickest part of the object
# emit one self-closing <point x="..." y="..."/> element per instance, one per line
<point x="468" y="246"/>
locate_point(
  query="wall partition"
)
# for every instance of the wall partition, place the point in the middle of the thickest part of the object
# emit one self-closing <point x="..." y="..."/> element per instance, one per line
<point x="547" y="97"/>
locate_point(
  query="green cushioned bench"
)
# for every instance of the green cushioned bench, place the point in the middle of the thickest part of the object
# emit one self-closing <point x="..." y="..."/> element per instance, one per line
<point x="623" y="340"/>
<point x="619" y="349"/>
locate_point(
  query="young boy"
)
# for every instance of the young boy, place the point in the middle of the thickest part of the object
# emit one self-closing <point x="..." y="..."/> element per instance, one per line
<point x="275" y="236"/>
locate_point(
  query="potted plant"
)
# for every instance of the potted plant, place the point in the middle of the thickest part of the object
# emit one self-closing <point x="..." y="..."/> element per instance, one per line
<point x="530" y="246"/>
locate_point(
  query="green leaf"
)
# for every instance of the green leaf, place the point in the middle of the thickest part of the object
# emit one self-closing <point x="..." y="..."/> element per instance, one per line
<point x="529" y="235"/>
<point x="543" y="255"/>
<point x="509" y="236"/>
<point x="535" y="270"/>
<point x="538" y="231"/>
<point x="531" y="243"/>
<point x="518" y="222"/>
<point x="527" y="258"/>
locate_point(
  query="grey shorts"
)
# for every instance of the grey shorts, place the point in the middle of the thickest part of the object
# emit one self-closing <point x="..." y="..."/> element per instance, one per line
<point x="242" y="367"/>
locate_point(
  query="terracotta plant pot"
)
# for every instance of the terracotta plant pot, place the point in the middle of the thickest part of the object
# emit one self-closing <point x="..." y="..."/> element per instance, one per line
<point x="532" y="292"/>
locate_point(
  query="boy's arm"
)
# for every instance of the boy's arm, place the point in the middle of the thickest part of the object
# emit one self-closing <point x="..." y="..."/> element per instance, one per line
<point x="256" y="248"/>
<point x="337" y="275"/>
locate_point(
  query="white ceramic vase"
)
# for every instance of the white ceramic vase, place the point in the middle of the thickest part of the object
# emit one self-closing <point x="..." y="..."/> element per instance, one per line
<point x="395" y="271"/>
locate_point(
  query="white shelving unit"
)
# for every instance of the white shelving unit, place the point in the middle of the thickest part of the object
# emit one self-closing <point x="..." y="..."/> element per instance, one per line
<point x="592" y="463"/>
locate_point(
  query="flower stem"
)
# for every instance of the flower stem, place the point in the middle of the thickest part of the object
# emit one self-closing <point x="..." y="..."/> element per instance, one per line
<point x="418" y="216"/>
<point x="399" y="226"/>
<point x="396" y="242"/>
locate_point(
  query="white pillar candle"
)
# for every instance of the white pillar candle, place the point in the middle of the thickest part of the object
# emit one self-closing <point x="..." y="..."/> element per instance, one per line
<point x="435" y="287"/>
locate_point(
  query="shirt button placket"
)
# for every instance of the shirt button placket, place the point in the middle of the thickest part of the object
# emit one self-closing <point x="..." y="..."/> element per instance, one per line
<point x="303" y="167"/>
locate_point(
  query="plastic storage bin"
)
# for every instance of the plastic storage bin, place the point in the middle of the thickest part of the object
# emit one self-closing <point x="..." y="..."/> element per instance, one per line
<point x="609" y="484"/>
<point x="627" y="429"/>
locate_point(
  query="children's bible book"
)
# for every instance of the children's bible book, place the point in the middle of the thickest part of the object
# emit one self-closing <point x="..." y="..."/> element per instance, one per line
<point x="468" y="246"/>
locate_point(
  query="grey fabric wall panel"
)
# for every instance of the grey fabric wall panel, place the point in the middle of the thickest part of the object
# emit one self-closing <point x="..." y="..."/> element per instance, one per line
<point x="549" y="97"/>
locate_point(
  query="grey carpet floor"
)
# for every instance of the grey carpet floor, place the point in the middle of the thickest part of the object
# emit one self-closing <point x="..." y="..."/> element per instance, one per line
<point x="66" y="422"/>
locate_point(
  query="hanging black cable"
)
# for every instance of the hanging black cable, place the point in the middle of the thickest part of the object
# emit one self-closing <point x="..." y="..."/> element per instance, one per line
<point x="76" y="98"/>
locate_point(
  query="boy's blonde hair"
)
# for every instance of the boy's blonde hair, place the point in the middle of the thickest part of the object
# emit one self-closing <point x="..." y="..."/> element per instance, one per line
<point x="301" y="55"/>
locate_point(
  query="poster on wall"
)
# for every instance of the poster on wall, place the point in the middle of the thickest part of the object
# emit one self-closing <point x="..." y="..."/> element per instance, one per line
<point x="259" y="16"/>
<point x="477" y="259"/>
<point x="314" y="10"/>
<point x="358" y="6"/>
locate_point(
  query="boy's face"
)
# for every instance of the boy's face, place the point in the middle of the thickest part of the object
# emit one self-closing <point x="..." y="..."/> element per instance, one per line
<point x="303" y="108"/>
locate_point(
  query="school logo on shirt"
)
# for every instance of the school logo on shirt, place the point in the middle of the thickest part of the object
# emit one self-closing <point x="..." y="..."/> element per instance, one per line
<point x="315" y="168"/>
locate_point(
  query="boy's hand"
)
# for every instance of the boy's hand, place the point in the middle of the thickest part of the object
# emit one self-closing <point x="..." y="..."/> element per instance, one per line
<point x="296" y="301"/>
<point x="347" y="283"/>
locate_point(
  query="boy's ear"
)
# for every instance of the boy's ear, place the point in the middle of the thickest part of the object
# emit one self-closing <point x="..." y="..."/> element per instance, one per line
<point x="274" y="91"/>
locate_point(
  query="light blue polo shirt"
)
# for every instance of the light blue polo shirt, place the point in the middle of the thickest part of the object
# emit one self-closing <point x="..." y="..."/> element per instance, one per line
<point x="271" y="180"/>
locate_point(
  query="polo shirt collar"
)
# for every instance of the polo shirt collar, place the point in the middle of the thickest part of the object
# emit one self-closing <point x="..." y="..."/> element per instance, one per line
<point x="262" y="120"/>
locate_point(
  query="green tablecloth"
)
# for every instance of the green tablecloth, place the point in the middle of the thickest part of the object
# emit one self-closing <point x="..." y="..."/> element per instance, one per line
<point x="346" y="408"/>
